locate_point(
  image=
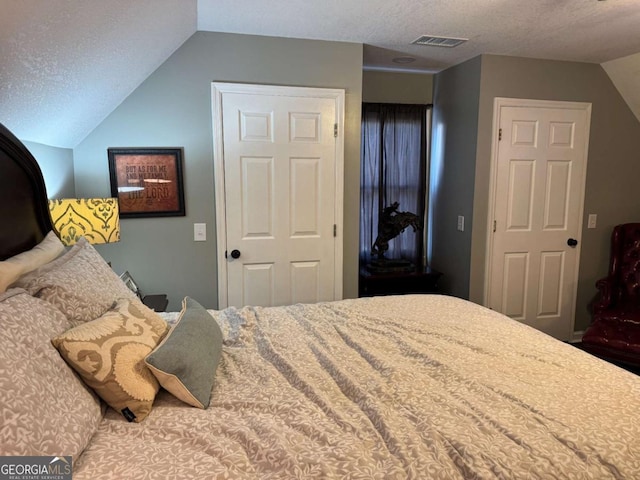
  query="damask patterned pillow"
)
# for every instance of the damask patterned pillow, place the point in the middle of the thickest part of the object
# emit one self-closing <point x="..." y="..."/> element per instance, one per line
<point x="45" y="409"/>
<point x="80" y="284"/>
<point x="109" y="353"/>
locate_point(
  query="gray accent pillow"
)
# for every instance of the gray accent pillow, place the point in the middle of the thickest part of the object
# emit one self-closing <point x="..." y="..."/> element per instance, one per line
<point x="185" y="362"/>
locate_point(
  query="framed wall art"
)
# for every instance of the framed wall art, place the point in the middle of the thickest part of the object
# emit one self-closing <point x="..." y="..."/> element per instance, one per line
<point x="147" y="181"/>
<point x="129" y="282"/>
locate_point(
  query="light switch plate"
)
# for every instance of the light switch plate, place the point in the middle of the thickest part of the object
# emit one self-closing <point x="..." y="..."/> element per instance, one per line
<point x="199" y="232"/>
<point x="461" y="223"/>
<point x="593" y="218"/>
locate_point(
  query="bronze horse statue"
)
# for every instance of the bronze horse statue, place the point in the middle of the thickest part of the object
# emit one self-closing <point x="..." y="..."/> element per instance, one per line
<point x="391" y="224"/>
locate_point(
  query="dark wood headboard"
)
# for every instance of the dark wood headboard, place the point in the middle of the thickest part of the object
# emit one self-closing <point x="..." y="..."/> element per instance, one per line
<point x="24" y="210"/>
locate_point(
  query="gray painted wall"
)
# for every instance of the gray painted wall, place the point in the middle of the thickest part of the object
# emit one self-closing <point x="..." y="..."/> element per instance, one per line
<point x="452" y="174"/>
<point x="57" y="168"/>
<point x="173" y="108"/>
<point x="397" y="87"/>
<point x="613" y="169"/>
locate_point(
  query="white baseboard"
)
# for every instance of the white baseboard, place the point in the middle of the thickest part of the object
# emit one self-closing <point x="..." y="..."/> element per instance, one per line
<point x="576" y="337"/>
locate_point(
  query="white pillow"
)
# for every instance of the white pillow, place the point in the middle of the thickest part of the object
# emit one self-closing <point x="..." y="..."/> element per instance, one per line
<point x="12" y="268"/>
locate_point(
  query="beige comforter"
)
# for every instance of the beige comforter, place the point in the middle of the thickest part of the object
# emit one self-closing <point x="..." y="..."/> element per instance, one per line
<point x="411" y="387"/>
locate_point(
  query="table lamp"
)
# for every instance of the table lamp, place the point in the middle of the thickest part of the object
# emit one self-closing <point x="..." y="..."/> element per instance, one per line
<point x="96" y="219"/>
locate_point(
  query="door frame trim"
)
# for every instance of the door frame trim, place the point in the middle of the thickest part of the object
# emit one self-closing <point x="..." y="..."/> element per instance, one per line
<point x="218" y="89"/>
<point x="498" y="103"/>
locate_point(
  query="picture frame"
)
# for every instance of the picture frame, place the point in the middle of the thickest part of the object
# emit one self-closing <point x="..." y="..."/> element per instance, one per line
<point x="147" y="181"/>
<point x="130" y="283"/>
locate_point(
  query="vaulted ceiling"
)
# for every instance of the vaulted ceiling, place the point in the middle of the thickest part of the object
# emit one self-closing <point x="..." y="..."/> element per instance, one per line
<point x="66" y="64"/>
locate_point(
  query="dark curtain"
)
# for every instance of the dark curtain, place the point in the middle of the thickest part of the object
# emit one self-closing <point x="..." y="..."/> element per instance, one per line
<point x="393" y="169"/>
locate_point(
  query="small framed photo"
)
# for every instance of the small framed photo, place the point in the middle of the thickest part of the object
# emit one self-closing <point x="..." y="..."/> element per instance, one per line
<point x="147" y="181"/>
<point x="130" y="283"/>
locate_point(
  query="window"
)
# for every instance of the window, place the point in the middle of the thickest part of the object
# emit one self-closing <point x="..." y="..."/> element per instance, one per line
<point x="393" y="169"/>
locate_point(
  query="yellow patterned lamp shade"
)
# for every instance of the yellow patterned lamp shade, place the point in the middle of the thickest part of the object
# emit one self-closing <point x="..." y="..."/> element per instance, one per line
<point x="96" y="219"/>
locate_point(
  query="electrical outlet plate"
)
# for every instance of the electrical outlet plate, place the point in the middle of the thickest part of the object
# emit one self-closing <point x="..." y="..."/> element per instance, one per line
<point x="461" y="223"/>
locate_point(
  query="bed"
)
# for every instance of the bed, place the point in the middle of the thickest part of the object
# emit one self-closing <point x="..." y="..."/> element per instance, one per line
<point x="396" y="387"/>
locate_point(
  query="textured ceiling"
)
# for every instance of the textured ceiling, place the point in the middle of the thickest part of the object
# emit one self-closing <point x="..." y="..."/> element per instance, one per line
<point x="580" y="30"/>
<point x="66" y="64"/>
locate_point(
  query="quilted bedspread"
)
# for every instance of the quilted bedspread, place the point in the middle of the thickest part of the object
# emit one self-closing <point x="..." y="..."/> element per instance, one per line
<point x="399" y="387"/>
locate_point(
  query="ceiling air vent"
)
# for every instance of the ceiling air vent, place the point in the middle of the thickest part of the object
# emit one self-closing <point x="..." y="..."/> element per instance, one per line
<point x="432" y="41"/>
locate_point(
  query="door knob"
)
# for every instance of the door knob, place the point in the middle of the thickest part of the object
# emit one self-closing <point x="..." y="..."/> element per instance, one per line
<point x="572" y="242"/>
<point x="235" y="253"/>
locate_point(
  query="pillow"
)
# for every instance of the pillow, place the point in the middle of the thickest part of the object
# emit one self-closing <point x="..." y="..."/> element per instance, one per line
<point x="45" y="409"/>
<point x="109" y="352"/>
<point x="12" y="268"/>
<point x="185" y="362"/>
<point x="79" y="283"/>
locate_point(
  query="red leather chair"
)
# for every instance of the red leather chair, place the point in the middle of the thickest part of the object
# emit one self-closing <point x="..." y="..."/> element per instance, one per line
<point x="614" y="333"/>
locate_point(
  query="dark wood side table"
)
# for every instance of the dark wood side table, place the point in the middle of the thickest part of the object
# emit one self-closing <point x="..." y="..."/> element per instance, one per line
<point x="398" y="283"/>
<point x="157" y="302"/>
